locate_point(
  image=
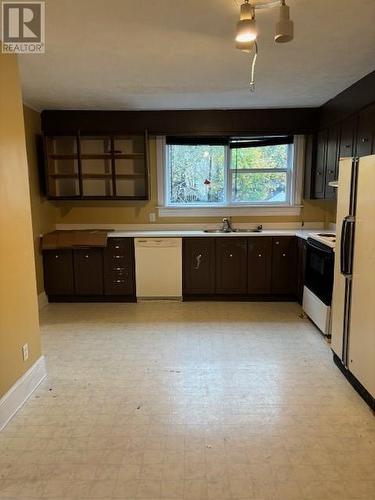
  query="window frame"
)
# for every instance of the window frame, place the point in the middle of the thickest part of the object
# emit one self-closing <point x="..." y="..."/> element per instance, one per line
<point x="289" y="170"/>
<point x="292" y="206"/>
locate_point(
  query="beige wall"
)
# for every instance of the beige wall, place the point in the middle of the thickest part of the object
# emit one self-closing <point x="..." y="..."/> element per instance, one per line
<point x="126" y="213"/>
<point x="18" y="298"/>
<point x="43" y="213"/>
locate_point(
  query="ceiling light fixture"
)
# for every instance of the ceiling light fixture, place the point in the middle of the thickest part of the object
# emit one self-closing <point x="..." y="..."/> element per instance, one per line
<point x="284" y="27"/>
<point x="246" y="28"/>
<point x="246" y="35"/>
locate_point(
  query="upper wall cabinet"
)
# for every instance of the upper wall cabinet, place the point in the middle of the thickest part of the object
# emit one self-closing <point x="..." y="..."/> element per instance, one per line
<point x="320" y="164"/>
<point x="97" y="167"/>
<point x="348" y="135"/>
<point x="366" y="132"/>
<point x="354" y="136"/>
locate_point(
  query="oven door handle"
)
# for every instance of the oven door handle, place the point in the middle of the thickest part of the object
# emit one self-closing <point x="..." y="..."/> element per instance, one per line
<point x="346" y="248"/>
<point x="319" y="248"/>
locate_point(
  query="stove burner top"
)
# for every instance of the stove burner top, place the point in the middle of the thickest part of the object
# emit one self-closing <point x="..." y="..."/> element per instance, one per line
<point x="327" y="235"/>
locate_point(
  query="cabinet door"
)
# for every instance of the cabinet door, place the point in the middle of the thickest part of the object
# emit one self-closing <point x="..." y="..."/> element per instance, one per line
<point x="119" y="274"/>
<point x="301" y="267"/>
<point x="347" y="143"/>
<point x="88" y="271"/>
<point x="259" y="260"/>
<point x="231" y="265"/>
<point x="366" y="132"/>
<point x="198" y="255"/>
<point x="320" y="164"/>
<point x="284" y="265"/>
<point x="332" y="161"/>
<point x="58" y="272"/>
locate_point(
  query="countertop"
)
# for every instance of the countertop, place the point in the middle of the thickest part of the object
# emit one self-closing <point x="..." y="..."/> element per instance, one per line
<point x="300" y="233"/>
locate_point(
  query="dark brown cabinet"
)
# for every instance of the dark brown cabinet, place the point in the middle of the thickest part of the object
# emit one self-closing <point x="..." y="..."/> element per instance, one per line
<point x="366" y="132"/>
<point x="88" y="271"/>
<point x="347" y="138"/>
<point x="332" y="161"/>
<point x="97" y="167"/>
<point x="231" y="265"/>
<point x="58" y="272"/>
<point x="119" y="272"/>
<point x="284" y="265"/>
<point x="252" y="268"/>
<point x="301" y="267"/>
<point x="91" y="274"/>
<point x="198" y="266"/>
<point x="353" y="136"/>
<point x="320" y="164"/>
<point x="259" y="265"/>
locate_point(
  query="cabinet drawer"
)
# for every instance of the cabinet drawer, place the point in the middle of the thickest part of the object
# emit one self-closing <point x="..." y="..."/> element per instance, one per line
<point x="119" y="275"/>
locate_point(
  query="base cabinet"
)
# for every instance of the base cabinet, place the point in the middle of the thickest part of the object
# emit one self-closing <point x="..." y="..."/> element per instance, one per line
<point x="58" y="272"/>
<point x="259" y="265"/>
<point x="301" y="268"/>
<point x="284" y="275"/>
<point x="248" y="268"/>
<point x="231" y="257"/>
<point x="88" y="271"/>
<point x="119" y="274"/>
<point x="91" y="274"/>
<point x="198" y="256"/>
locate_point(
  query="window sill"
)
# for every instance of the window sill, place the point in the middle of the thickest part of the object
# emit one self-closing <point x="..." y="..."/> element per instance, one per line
<point x="280" y="210"/>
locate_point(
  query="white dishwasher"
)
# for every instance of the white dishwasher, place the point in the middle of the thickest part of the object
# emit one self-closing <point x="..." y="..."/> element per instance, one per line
<point x="158" y="264"/>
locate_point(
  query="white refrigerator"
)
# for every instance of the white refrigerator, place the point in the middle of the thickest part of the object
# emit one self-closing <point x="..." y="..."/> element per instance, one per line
<point x="353" y="302"/>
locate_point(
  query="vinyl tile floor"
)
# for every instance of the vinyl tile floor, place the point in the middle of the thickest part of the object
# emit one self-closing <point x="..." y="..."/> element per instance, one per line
<point x="188" y="401"/>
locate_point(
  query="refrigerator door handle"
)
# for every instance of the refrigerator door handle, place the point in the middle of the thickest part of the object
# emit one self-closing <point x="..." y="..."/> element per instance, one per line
<point x="346" y="253"/>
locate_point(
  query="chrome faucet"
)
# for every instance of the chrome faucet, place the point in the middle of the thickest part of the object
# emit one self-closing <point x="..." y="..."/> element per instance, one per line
<point x="227" y="225"/>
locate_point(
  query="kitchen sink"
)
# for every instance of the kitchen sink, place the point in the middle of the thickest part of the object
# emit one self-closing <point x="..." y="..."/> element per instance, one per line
<point x="216" y="231"/>
<point x="221" y="231"/>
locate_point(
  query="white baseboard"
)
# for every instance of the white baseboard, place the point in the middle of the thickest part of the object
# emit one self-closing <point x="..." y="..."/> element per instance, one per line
<point x="20" y="392"/>
<point x="42" y="300"/>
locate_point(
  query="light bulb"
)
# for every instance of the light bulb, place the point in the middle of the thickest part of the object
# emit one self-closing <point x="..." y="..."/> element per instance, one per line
<point x="246" y="31"/>
<point x="246" y="28"/>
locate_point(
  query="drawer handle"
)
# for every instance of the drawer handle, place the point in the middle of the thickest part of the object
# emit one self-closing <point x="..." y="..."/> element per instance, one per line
<point x="57" y="256"/>
<point x="230" y="255"/>
<point x="284" y="254"/>
<point x="119" y="281"/>
<point x="260" y="255"/>
<point x="198" y="259"/>
<point x="117" y="247"/>
<point x="364" y="139"/>
<point x="86" y="256"/>
<point x="277" y="242"/>
<point x="118" y="256"/>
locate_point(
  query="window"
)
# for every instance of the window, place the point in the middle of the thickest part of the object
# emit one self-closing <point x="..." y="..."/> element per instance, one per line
<point x="260" y="171"/>
<point x="239" y="172"/>
<point x="196" y="173"/>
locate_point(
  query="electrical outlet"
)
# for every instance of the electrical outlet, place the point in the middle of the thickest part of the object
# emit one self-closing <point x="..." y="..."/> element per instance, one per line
<point x="25" y="352"/>
<point x="152" y="217"/>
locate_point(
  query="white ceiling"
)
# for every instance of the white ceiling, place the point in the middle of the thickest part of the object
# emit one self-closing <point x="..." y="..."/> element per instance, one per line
<point x="179" y="54"/>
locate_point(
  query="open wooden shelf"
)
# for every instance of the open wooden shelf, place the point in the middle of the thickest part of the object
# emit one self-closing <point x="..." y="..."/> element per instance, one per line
<point x="73" y="153"/>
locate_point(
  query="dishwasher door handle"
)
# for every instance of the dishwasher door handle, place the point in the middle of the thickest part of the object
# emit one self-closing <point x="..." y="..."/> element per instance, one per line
<point x="158" y="243"/>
